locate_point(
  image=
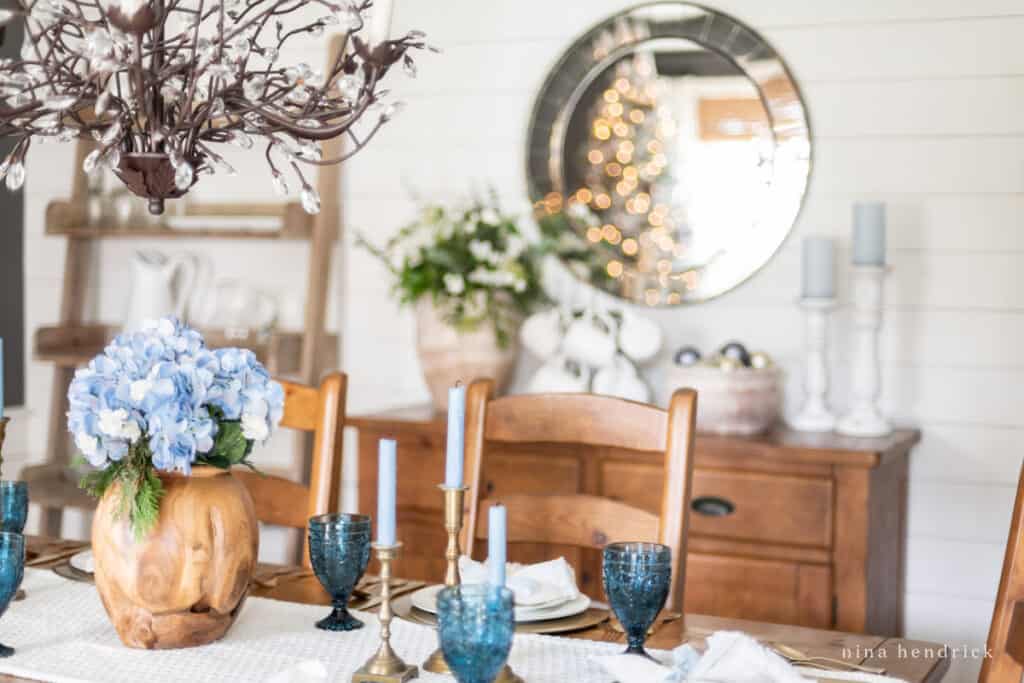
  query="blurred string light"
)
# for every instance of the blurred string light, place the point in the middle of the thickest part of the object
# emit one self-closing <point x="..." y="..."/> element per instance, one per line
<point x="624" y="159"/>
<point x="158" y="85"/>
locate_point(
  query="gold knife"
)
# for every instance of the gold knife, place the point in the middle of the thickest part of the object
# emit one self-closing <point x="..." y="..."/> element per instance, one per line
<point x="407" y="587"/>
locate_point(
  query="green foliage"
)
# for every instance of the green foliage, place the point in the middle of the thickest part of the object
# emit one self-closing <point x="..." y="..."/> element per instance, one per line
<point x="97" y="482"/>
<point x="230" y="447"/>
<point x="473" y="261"/>
<point x="139" y="488"/>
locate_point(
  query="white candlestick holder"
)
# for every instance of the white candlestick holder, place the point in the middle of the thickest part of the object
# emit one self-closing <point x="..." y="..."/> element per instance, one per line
<point x="864" y="417"/>
<point x="814" y="415"/>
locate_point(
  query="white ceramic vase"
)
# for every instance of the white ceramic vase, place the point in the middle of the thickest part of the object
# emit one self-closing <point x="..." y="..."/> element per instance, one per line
<point x="448" y="355"/>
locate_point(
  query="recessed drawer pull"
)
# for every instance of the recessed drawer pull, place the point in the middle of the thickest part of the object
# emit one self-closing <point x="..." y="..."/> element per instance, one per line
<point x="712" y="506"/>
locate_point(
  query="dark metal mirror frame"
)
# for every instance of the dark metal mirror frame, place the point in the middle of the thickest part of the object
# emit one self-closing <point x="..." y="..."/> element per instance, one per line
<point x="583" y="61"/>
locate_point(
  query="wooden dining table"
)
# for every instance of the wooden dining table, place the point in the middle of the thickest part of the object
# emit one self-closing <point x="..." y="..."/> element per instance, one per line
<point x="910" y="660"/>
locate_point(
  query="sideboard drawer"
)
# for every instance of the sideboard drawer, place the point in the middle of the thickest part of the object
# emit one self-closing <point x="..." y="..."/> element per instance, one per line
<point x="768" y="508"/>
<point x="761" y="590"/>
<point x="749" y="506"/>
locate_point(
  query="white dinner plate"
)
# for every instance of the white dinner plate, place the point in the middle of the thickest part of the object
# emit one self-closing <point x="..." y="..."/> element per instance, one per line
<point x="426" y="600"/>
<point x="83" y="562"/>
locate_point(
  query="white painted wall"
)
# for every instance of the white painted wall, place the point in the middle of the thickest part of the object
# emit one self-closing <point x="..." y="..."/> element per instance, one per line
<point x="918" y="104"/>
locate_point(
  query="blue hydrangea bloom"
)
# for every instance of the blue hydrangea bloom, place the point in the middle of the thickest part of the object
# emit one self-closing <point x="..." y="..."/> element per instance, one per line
<point x="160" y="384"/>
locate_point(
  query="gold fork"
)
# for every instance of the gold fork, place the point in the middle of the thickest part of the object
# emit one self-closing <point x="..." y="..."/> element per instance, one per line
<point x="795" y="656"/>
<point x="663" y="618"/>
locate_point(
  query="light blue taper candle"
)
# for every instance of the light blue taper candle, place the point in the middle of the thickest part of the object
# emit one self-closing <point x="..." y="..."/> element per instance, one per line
<point x="456" y="437"/>
<point x="387" y="484"/>
<point x="497" y="532"/>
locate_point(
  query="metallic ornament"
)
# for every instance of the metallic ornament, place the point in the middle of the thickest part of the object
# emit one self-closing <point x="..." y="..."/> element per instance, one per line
<point x="727" y="364"/>
<point x="761" y="360"/>
<point x="687" y="356"/>
<point x="737" y="352"/>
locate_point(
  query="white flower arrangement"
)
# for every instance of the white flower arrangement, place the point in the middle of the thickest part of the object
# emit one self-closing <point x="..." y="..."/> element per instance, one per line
<point x="472" y="260"/>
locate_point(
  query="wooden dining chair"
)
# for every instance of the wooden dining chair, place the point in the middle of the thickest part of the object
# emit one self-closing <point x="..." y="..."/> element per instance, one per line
<point x="1006" y="634"/>
<point x="284" y="502"/>
<point x="581" y="520"/>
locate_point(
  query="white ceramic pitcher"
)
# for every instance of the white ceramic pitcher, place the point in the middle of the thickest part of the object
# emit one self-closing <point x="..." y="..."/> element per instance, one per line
<point x="153" y="293"/>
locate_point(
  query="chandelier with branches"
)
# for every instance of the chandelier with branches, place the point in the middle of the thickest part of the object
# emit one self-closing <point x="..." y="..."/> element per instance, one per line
<point x="159" y="85"/>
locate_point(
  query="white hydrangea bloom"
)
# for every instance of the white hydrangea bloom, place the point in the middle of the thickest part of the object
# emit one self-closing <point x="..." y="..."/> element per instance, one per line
<point x="454" y="284"/>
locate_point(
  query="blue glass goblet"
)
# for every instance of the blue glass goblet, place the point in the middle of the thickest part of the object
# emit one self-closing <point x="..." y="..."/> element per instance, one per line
<point x="13" y="506"/>
<point x="339" y="550"/>
<point x="12" y="570"/>
<point x="636" y="581"/>
<point x="476" y="627"/>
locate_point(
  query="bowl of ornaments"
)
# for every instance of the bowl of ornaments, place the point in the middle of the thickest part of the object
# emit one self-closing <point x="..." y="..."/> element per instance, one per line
<point x="738" y="391"/>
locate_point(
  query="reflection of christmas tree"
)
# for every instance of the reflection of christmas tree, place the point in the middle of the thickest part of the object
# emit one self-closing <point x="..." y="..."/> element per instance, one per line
<point x="622" y="161"/>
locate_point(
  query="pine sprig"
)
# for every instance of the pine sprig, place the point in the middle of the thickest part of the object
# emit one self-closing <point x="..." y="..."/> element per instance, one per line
<point x="140" y="489"/>
<point x="146" y="506"/>
<point x="97" y="482"/>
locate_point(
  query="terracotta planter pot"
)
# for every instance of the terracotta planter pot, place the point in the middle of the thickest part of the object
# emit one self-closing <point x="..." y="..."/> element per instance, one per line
<point x="447" y="355"/>
<point x="184" y="583"/>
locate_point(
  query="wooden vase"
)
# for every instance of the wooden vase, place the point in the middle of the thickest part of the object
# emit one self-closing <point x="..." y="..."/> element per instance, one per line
<point x="184" y="583"/>
<point x="448" y="355"/>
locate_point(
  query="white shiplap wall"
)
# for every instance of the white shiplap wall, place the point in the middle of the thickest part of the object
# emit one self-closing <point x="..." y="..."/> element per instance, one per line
<point x="914" y="103"/>
<point x="917" y="104"/>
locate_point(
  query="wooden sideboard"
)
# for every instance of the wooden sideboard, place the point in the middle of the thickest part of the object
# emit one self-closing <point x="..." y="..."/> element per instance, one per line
<point x="787" y="527"/>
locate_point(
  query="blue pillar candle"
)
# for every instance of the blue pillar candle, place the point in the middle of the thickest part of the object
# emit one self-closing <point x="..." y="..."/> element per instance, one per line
<point x="387" y="484"/>
<point x="869" y="234"/>
<point x="497" y="532"/>
<point x="456" y="437"/>
<point x="819" y="268"/>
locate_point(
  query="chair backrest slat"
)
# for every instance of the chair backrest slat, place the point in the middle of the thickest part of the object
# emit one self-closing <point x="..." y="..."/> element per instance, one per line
<point x="582" y="520"/>
<point x="1006" y="634"/>
<point x="595" y="421"/>
<point x="275" y="498"/>
<point x="300" y="406"/>
<point x="288" y="503"/>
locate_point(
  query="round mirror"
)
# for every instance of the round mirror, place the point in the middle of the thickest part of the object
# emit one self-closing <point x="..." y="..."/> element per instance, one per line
<point x="669" y="153"/>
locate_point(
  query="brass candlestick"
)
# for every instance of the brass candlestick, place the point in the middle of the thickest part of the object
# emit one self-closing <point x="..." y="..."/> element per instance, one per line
<point x="453" y="499"/>
<point x="3" y="429"/>
<point x="385" y="666"/>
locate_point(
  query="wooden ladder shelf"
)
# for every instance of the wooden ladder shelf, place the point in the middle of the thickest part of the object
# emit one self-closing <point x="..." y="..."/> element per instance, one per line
<point x="301" y="356"/>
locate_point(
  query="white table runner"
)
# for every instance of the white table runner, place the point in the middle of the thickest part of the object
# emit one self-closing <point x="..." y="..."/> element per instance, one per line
<point x="61" y="634"/>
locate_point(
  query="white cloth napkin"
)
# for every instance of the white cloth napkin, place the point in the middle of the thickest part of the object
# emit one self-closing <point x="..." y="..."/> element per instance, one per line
<point x="731" y="657"/>
<point x="533" y="585"/>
